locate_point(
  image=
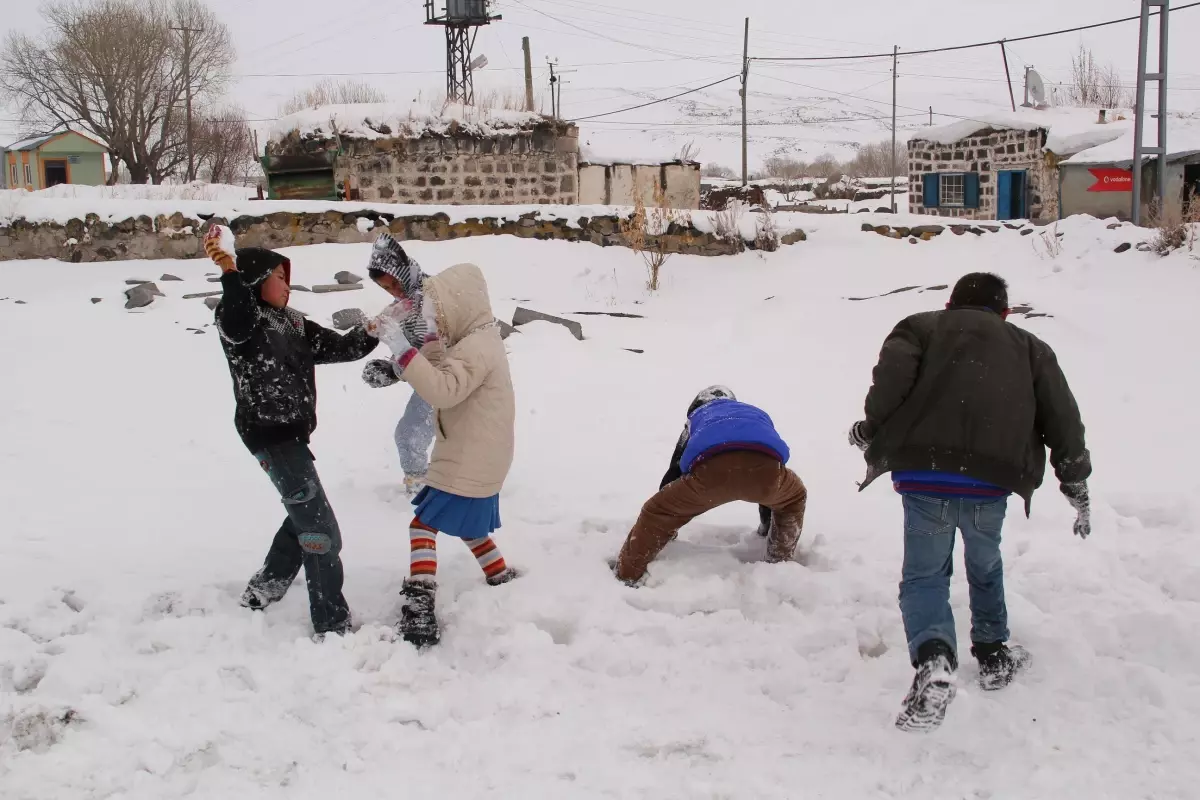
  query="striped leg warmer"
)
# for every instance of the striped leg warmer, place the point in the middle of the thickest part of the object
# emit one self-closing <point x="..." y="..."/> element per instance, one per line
<point x="488" y="555"/>
<point x="423" y="559"/>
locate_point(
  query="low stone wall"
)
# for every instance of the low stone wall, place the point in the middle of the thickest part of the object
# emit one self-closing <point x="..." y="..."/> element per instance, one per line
<point x="177" y="236"/>
<point x="619" y="184"/>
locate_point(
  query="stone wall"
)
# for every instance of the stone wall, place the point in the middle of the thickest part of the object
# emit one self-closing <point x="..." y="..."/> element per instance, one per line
<point x="536" y="166"/>
<point x="985" y="153"/>
<point x="177" y="236"/>
<point x="617" y="184"/>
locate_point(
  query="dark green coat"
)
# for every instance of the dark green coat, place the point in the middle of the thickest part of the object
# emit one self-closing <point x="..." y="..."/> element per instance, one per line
<point x="964" y="391"/>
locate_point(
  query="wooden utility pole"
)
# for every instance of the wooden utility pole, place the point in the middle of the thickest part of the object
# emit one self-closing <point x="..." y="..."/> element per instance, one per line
<point x="895" y="76"/>
<point x="745" y="78"/>
<point x="528" y="74"/>
<point x="553" y="88"/>
<point x="1012" y="99"/>
<point x="187" y="76"/>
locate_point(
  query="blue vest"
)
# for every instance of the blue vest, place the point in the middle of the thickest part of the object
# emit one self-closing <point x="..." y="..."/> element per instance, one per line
<point x="730" y="425"/>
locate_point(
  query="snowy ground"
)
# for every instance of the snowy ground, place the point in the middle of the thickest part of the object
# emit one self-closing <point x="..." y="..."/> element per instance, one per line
<point x="130" y="517"/>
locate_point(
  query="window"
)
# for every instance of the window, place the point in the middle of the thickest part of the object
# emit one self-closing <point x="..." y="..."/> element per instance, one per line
<point x="13" y="172"/>
<point x="951" y="191"/>
<point x="28" y="175"/>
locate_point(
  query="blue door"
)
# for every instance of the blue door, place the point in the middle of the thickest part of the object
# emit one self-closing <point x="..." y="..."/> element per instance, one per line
<point x="1010" y="195"/>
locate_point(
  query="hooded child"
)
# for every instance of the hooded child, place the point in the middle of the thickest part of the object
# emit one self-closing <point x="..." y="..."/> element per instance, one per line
<point x="272" y="351"/>
<point x="470" y="389"/>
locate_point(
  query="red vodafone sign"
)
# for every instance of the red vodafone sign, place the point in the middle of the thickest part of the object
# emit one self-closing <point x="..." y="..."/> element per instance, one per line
<point x="1111" y="180"/>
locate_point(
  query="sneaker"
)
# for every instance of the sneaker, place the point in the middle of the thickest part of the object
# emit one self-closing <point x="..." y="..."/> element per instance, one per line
<point x="259" y="593"/>
<point x="418" y="622"/>
<point x="509" y="574"/>
<point x="933" y="689"/>
<point x="413" y="484"/>
<point x="999" y="664"/>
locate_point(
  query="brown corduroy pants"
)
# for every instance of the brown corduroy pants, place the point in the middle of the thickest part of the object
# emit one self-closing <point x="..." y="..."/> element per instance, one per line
<point x="723" y="478"/>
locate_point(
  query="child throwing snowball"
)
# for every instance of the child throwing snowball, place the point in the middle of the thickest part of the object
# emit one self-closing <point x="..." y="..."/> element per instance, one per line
<point x="400" y="276"/>
<point x="470" y="389"/>
<point x="272" y="350"/>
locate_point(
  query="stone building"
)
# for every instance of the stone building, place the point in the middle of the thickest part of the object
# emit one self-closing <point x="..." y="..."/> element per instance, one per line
<point x="617" y="184"/>
<point x="377" y="152"/>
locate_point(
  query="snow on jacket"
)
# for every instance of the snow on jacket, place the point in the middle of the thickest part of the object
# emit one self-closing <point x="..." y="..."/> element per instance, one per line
<point x="272" y="353"/>
<point x="725" y="425"/>
<point x="469" y="386"/>
<point x="966" y="392"/>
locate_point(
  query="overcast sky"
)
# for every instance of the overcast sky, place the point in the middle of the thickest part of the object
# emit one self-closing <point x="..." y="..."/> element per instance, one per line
<point x="663" y="46"/>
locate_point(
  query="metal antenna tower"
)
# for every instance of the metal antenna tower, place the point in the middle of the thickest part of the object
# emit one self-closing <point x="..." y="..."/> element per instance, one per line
<point x="1139" y="148"/>
<point x="462" y="20"/>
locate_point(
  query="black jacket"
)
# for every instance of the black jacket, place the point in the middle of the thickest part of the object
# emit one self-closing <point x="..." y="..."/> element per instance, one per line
<point x="272" y="354"/>
<point x="964" y="391"/>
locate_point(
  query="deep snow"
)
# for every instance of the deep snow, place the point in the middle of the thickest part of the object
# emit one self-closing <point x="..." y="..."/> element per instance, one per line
<point x="130" y="517"/>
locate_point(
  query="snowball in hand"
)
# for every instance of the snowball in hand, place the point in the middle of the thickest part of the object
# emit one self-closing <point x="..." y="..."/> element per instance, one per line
<point x="226" y="241"/>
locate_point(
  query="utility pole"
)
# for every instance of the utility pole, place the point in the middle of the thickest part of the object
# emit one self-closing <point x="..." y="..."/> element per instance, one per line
<point x="745" y="78"/>
<point x="1008" y="76"/>
<point x="895" y="76"/>
<point x="553" y="88"/>
<point x="528" y="74"/>
<point x="187" y="76"/>
<point x="931" y="116"/>
<point x="1139" y="149"/>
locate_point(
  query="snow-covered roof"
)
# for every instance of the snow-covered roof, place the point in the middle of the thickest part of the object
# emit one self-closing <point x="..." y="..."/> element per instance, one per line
<point x="38" y="141"/>
<point x="1069" y="130"/>
<point x="637" y="152"/>
<point x="398" y="120"/>
<point x="1183" y="140"/>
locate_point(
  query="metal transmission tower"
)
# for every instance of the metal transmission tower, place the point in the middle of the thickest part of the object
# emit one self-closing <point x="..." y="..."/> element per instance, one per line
<point x="1139" y="148"/>
<point x="461" y="19"/>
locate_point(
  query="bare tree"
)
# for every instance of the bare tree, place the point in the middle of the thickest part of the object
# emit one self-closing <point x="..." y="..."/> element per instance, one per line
<point x="717" y="171"/>
<point x="1093" y="86"/>
<point x="826" y="167"/>
<point x="224" y="144"/>
<point x="875" y="161"/>
<point x="114" y="68"/>
<point x="330" y="92"/>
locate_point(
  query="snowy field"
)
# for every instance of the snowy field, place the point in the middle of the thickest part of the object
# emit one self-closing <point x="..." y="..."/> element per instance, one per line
<point x="131" y="517"/>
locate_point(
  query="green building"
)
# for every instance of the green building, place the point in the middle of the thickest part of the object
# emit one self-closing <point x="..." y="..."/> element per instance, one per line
<point x="63" y="157"/>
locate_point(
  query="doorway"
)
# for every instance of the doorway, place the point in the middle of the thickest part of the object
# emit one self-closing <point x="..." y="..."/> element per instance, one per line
<point x="55" y="172"/>
<point x="1011" y="193"/>
<point x="1191" y="187"/>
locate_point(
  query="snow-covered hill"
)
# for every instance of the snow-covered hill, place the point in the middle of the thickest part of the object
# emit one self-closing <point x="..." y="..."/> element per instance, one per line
<point x="130" y="517"/>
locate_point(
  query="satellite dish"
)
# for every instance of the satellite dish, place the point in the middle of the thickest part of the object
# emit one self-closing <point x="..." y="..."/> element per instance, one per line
<point x="1037" y="89"/>
<point x="478" y="63"/>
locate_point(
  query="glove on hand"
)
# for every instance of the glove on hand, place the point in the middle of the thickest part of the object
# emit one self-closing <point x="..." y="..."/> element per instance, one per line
<point x="379" y="373"/>
<point x="857" y="438"/>
<point x="1077" y="496"/>
<point x="219" y="246"/>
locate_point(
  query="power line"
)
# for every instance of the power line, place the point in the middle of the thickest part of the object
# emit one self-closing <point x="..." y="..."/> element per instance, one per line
<point x="442" y="71"/>
<point x="978" y="44"/>
<point x="662" y="100"/>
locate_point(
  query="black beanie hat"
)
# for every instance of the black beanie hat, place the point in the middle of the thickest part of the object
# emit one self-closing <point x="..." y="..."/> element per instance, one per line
<point x="257" y="263"/>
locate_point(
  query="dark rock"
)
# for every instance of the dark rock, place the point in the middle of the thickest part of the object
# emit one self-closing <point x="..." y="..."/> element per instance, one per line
<point x="913" y="240"/>
<point x="991" y="228"/>
<point x="347" y="278"/>
<point x="1012" y="227"/>
<point x="1113" y="226"/>
<point x="959" y="230"/>
<point x="198" y="331"/>
<point x="142" y="295"/>
<point x="96" y="300"/>
<point x="506" y="330"/>
<point x="868" y="227"/>
<point x="296" y="287"/>
<point x="136" y="281"/>
<point x="166" y="276"/>
<point x="1144" y="247"/>
<point x="1123" y="247"/>
<point x="325" y="288"/>
<point x="524" y="316"/>
<point x="633" y="350"/>
<point x="19" y="302"/>
<point x="347" y="318"/>
<point x="201" y="294"/>
<point x="1021" y="309"/>
<point x="940" y="287"/>
<point x="217" y="279"/>
<point x="975" y="230"/>
<point x="618" y="314"/>
<point x="212" y="302"/>
<point x="1026" y="231"/>
<point x="932" y="230"/>
<point x="882" y="210"/>
<point x="793" y="237"/>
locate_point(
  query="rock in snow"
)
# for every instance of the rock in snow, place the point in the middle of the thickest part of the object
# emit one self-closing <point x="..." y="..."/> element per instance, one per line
<point x="346" y="278"/>
<point x="325" y="288"/>
<point x="166" y="276"/>
<point x="142" y="295"/>
<point x="524" y="316"/>
<point x="347" y="318"/>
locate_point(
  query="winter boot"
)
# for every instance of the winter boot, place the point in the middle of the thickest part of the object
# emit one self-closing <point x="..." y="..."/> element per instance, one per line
<point x="261" y="593"/>
<point x="999" y="663"/>
<point x="418" y="622"/>
<point x="509" y="574"/>
<point x="932" y="689"/>
<point x="413" y="484"/>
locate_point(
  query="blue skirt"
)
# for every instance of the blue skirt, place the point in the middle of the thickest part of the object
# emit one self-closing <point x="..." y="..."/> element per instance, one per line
<point x="464" y="517"/>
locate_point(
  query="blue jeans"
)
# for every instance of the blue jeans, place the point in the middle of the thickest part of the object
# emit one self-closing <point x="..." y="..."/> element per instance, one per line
<point x="414" y="434"/>
<point x="929" y="526"/>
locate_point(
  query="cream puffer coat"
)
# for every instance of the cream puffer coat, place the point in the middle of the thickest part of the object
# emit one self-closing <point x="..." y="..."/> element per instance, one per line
<point x="469" y="386"/>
